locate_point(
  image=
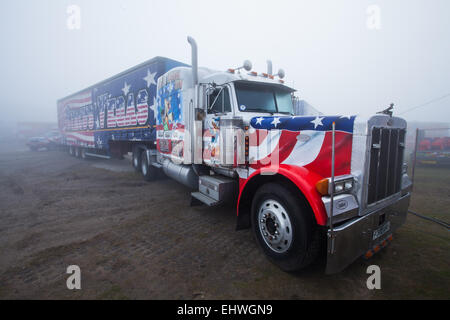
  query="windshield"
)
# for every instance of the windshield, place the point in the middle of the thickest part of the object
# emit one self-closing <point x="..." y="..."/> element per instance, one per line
<point x="263" y="98"/>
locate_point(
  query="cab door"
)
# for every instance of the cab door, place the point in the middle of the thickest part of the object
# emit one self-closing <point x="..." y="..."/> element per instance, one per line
<point x="218" y="107"/>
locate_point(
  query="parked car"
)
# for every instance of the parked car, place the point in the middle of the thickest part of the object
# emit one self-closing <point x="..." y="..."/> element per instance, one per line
<point x="50" y="141"/>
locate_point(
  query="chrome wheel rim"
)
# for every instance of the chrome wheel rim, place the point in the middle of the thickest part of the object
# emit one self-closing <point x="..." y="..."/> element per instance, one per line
<point x="135" y="161"/>
<point x="275" y="226"/>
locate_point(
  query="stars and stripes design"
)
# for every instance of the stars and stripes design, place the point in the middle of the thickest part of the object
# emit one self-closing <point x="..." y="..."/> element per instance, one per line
<point x="123" y="107"/>
<point x="301" y="141"/>
<point x="297" y="123"/>
<point x="74" y="113"/>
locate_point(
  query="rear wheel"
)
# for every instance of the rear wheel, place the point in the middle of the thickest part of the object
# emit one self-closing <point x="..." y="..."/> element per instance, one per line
<point x="284" y="227"/>
<point x="77" y="152"/>
<point x="83" y="153"/>
<point x="136" y="161"/>
<point x="148" y="171"/>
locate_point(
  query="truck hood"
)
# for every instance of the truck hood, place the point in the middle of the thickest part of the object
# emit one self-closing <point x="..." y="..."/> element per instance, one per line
<point x="302" y="123"/>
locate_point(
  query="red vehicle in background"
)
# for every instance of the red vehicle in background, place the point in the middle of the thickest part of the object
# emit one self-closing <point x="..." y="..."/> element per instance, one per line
<point x="49" y="141"/>
<point x="433" y="151"/>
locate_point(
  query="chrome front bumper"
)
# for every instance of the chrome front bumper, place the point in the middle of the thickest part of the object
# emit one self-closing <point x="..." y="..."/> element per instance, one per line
<point x="354" y="238"/>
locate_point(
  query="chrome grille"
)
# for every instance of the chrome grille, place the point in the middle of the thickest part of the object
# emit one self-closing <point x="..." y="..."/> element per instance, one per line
<point x="386" y="162"/>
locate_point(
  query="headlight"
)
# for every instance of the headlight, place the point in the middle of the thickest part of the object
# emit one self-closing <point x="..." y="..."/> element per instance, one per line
<point x="341" y="184"/>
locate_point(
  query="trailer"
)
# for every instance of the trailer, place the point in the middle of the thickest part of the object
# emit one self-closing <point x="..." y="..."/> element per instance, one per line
<point x="111" y="117"/>
<point x="303" y="182"/>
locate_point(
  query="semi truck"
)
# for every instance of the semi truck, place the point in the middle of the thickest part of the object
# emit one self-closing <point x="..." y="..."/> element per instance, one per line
<point x="304" y="183"/>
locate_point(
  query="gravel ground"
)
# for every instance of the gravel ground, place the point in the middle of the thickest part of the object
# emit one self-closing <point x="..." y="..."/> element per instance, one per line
<point x="138" y="240"/>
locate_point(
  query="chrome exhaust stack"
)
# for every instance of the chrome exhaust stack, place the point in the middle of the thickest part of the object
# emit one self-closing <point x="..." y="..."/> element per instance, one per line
<point x="269" y="67"/>
<point x="194" y="60"/>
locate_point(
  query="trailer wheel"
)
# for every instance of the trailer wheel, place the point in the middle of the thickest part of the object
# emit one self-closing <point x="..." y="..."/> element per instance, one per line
<point x="77" y="152"/>
<point x="136" y="161"/>
<point x="83" y="153"/>
<point x="71" y="151"/>
<point x="148" y="171"/>
<point x="284" y="227"/>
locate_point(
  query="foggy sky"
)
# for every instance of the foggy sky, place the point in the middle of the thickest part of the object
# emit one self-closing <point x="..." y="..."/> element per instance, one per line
<point x="330" y="56"/>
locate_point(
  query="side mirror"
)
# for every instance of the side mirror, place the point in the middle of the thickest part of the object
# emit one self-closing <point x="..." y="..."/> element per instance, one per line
<point x="281" y="73"/>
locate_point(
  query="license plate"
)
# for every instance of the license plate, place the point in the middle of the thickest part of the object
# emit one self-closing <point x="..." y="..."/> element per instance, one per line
<point x="381" y="230"/>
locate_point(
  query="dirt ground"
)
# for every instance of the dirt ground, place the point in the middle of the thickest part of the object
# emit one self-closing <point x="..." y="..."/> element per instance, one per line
<point x="138" y="240"/>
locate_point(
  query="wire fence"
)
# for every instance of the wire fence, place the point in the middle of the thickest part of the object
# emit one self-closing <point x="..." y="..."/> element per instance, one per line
<point x="430" y="172"/>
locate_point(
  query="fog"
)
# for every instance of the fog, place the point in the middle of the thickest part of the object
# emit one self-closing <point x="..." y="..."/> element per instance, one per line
<point x="341" y="56"/>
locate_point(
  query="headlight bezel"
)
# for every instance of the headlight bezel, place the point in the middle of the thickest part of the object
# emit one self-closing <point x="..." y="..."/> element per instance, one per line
<point x="342" y="184"/>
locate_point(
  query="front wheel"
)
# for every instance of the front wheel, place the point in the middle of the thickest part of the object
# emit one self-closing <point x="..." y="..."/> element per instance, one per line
<point x="284" y="227"/>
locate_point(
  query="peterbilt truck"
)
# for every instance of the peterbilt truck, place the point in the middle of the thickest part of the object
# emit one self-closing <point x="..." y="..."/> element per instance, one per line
<point x="305" y="184"/>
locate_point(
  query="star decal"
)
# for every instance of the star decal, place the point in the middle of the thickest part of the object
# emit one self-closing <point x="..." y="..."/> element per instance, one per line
<point x="150" y="78"/>
<point x="259" y="120"/>
<point x="317" y="122"/>
<point x="275" y="121"/>
<point x="154" y="107"/>
<point x="126" y="88"/>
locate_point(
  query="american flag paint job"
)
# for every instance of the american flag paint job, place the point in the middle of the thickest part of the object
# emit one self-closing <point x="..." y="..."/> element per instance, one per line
<point x="299" y="148"/>
<point x="120" y="108"/>
<point x="301" y="141"/>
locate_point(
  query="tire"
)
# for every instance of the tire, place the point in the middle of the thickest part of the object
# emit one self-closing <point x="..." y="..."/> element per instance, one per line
<point x="77" y="152"/>
<point x="83" y="154"/>
<point x="136" y="160"/>
<point x="150" y="173"/>
<point x="284" y="227"/>
<point x="71" y="151"/>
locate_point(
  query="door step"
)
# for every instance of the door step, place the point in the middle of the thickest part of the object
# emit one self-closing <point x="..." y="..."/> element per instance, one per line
<point x="157" y="165"/>
<point x="198" y="198"/>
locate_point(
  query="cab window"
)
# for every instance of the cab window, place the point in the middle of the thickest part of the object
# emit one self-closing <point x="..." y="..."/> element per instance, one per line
<point x="219" y="101"/>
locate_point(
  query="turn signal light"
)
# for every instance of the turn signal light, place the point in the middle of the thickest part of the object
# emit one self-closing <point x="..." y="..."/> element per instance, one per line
<point x="231" y="70"/>
<point x="322" y="186"/>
